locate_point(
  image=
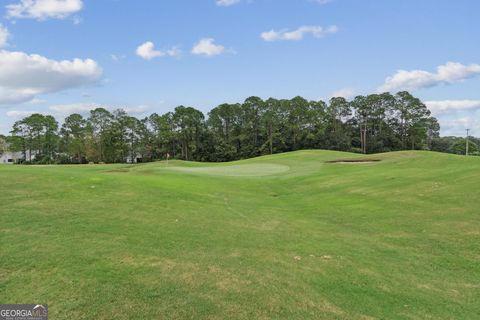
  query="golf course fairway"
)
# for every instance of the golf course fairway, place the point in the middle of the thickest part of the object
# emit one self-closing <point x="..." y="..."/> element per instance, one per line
<point x="288" y="236"/>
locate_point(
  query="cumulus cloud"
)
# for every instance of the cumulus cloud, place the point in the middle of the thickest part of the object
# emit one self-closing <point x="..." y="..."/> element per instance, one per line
<point x="147" y="51"/>
<point x="444" y="106"/>
<point x="4" y="36"/>
<point x="207" y="47"/>
<point x="227" y="3"/>
<point x="44" y="9"/>
<point x="24" y="76"/>
<point x="448" y="73"/>
<point x="298" y="34"/>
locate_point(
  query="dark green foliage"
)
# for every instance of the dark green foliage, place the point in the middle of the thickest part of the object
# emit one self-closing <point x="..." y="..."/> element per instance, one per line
<point x="456" y="145"/>
<point x="36" y="137"/>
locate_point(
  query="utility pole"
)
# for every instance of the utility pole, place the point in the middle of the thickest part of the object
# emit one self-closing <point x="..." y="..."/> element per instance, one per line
<point x="466" y="148"/>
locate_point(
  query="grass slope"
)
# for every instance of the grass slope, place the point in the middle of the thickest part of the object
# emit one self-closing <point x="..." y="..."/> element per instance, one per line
<point x="286" y="236"/>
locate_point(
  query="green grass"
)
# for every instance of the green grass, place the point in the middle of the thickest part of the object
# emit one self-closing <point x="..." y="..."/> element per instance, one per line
<point x="279" y="237"/>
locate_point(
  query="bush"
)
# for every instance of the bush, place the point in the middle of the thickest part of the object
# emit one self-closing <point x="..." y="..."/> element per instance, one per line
<point x="63" y="159"/>
<point x="45" y="160"/>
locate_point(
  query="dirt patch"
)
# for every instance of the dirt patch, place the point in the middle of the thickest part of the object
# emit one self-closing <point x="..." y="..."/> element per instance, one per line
<point x="355" y="161"/>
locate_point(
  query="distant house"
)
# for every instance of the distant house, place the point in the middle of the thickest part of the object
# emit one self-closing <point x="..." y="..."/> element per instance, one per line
<point x="137" y="159"/>
<point x="10" y="157"/>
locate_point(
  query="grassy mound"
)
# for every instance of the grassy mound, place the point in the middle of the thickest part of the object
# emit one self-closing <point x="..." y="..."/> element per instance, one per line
<point x="287" y="236"/>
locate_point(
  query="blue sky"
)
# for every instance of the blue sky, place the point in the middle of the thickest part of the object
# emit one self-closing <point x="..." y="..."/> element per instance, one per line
<point x="65" y="56"/>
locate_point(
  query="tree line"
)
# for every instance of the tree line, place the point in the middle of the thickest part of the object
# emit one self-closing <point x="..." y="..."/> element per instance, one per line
<point x="457" y="145"/>
<point x="366" y="124"/>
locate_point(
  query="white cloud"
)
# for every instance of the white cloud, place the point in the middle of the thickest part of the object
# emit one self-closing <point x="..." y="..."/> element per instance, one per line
<point x="173" y="52"/>
<point x="4" y="36"/>
<point x="67" y="109"/>
<point x="457" y="127"/>
<point x="346" y="93"/>
<point x="448" y="73"/>
<point x="64" y="110"/>
<point x="116" y="57"/>
<point x="23" y="76"/>
<point x="207" y="47"/>
<point x="44" y="9"/>
<point x="298" y="34"/>
<point x="147" y="51"/>
<point x="37" y="101"/>
<point x="136" y="109"/>
<point x="61" y="111"/>
<point x="444" y="106"/>
<point x="227" y="3"/>
<point x="19" y="114"/>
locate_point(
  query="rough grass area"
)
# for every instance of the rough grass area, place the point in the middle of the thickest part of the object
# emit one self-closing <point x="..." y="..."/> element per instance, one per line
<point x="288" y="236"/>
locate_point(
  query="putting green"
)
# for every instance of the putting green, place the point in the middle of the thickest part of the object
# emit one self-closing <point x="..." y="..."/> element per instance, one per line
<point x="241" y="170"/>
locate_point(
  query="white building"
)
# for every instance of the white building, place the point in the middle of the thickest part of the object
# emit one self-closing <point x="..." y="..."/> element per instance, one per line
<point x="137" y="159"/>
<point x="9" y="157"/>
